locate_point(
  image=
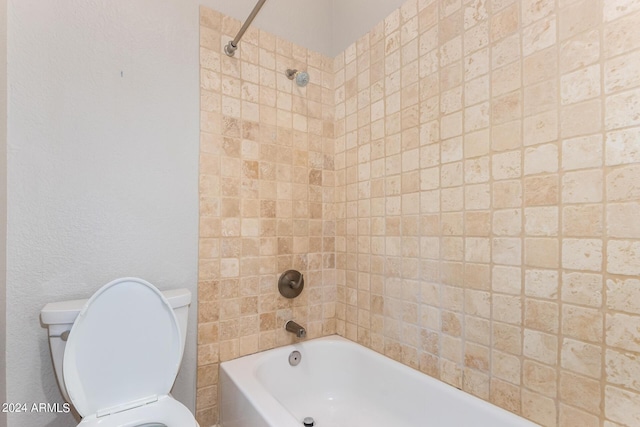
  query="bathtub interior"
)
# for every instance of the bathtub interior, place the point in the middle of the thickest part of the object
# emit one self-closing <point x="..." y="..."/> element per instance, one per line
<point x="339" y="383"/>
<point x="335" y="387"/>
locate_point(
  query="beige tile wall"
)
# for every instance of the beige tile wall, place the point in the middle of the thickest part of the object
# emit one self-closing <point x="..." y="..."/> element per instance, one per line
<point x="487" y="196"/>
<point x="484" y="210"/>
<point x="266" y="197"/>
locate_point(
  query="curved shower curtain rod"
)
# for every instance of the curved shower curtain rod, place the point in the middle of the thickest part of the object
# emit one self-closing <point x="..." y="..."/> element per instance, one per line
<point x="232" y="46"/>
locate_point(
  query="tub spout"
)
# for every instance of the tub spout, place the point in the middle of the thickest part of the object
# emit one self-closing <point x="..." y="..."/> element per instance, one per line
<point x="296" y="329"/>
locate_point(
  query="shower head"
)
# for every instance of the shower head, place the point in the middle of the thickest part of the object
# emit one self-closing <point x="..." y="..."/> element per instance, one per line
<point x="302" y="77"/>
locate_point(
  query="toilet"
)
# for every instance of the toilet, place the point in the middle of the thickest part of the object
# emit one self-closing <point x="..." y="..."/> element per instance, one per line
<point x="117" y="354"/>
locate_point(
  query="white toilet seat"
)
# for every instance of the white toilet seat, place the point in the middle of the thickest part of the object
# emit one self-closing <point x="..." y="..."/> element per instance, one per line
<point x="166" y="410"/>
<point x="122" y="357"/>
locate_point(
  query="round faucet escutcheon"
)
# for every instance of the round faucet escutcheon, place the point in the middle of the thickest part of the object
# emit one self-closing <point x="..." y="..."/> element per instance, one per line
<point x="308" y="422"/>
<point x="291" y="283"/>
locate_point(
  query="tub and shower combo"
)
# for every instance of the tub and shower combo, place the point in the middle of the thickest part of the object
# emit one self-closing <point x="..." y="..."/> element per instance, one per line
<point x="334" y="382"/>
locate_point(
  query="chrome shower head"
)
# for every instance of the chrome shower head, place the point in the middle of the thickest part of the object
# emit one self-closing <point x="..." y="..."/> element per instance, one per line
<point x="302" y="77"/>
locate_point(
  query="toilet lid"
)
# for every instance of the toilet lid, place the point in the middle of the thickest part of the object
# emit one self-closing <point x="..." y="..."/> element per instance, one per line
<point x="124" y="349"/>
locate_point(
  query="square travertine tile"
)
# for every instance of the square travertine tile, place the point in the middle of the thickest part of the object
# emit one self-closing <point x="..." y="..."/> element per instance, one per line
<point x="458" y="185"/>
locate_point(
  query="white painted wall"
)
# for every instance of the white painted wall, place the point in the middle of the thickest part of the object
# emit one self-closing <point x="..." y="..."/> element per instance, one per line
<point x="102" y="167"/>
<point x="354" y="18"/>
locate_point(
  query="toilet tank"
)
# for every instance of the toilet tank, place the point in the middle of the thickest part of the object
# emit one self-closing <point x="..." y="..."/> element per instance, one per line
<point x="59" y="317"/>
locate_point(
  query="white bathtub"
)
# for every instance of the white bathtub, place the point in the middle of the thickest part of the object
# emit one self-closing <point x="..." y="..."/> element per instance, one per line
<point x="340" y="383"/>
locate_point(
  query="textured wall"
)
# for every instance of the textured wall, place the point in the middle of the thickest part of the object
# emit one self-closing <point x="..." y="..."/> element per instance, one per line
<point x="487" y="189"/>
<point x="266" y="197"/>
<point x="102" y="168"/>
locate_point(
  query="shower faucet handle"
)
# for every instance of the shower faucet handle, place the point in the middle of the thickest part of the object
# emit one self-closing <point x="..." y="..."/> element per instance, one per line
<point x="291" y="283"/>
<point x="298" y="283"/>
